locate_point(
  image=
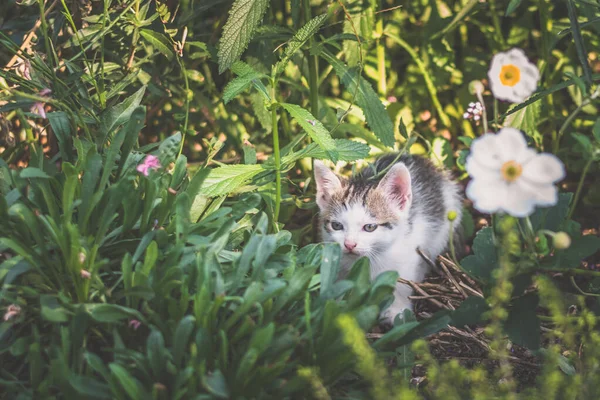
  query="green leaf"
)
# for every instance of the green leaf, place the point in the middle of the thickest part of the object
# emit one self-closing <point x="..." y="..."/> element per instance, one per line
<point x="585" y="142"/>
<point x="59" y="120"/>
<point x="247" y="74"/>
<point x="155" y="352"/>
<point x="596" y="130"/>
<point x="160" y="42"/>
<point x="32" y="172"/>
<point x="348" y="150"/>
<point x="526" y="120"/>
<point x="119" y="114"/>
<point x="512" y="6"/>
<point x="469" y="312"/>
<point x="366" y="98"/>
<point x="523" y="324"/>
<point x="484" y="260"/>
<point x="52" y="311"/>
<point x="224" y="180"/>
<point x="169" y="148"/>
<point x="580" y="248"/>
<point x="90" y="387"/>
<point x="215" y="383"/>
<point x="579" y="44"/>
<point x="301" y="37"/>
<point x="112" y="313"/>
<point x="129" y="383"/>
<point x="551" y="218"/>
<point x="314" y="128"/>
<point x="330" y="266"/>
<point x="182" y="338"/>
<point x="244" y="17"/>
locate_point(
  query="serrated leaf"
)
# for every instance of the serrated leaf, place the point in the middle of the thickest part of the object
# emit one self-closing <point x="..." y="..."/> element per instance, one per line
<point x="301" y="37"/>
<point x="552" y="217"/>
<point x="247" y="74"/>
<point x="224" y="180"/>
<point x="366" y="98"/>
<point x="160" y="42"/>
<point x="348" y="150"/>
<point x="244" y="17"/>
<point x="525" y="120"/>
<point x="314" y="128"/>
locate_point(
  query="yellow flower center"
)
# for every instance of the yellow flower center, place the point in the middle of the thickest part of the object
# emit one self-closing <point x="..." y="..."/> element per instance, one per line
<point x="511" y="170"/>
<point x="510" y="75"/>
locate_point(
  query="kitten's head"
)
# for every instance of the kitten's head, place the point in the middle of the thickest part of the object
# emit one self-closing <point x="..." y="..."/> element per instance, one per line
<point x="362" y="216"/>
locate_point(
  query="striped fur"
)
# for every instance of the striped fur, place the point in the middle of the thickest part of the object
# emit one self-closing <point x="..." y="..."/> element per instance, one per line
<point x="408" y="199"/>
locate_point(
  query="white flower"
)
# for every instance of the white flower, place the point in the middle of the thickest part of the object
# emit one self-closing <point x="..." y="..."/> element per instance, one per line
<point x="508" y="176"/>
<point x="512" y="76"/>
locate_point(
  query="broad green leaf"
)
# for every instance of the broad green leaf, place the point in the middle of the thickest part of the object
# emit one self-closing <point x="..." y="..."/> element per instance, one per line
<point x="120" y="113"/>
<point x="481" y="264"/>
<point x="90" y="387"/>
<point x="469" y="312"/>
<point x="314" y="128"/>
<point x="244" y="17"/>
<point x="551" y="218"/>
<point x="581" y="247"/>
<point x="301" y="37"/>
<point x="246" y="76"/>
<point x="32" y="172"/>
<point x="330" y="266"/>
<point x="160" y="42"/>
<point x="224" y="180"/>
<point x="215" y="383"/>
<point x="169" y="148"/>
<point x="131" y="132"/>
<point x="348" y="150"/>
<point x="155" y="352"/>
<point x="127" y="381"/>
<point x="61" y="126"/>
<point x="523" y="324"/>
<point x="526" y="120"/>
<point x="112" y="312"/>
<point x="366" y="98"/>
<point x="52" y="311"/>
<point x="596" y="130"/>
<point x="181" y="340"/>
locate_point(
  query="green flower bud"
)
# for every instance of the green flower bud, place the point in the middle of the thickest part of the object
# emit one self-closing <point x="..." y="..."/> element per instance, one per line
<point x="452" y="215"/>
<point x="476" y="87"/>
<point x="562" y="240"/>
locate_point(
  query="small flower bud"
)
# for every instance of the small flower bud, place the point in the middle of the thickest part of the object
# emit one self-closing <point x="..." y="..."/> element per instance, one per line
<point x="561" y="240"/>
<point x="476" y="87"/>
<point x="12" y="311"/>
<point x="452" y="215"/>
<point x="85" y="274"/>
<point x="81" y="257"/>
<point x="172" y="191"/>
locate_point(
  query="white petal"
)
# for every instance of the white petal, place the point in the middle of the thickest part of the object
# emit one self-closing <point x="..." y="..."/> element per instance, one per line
<point x="487" y="195"/>
<point x="518" y="202"/>
<point x="485" y="150"/>
<point x="480" y="171"/>
<point x="517" y="56"/>
<point x="503" y="92"/>
<point x="544" y="168"/>
<point x="544" y="195"/>
<point x="511" y="145"/>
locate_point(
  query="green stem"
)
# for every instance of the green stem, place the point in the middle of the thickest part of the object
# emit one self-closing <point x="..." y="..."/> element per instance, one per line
<point x="381" y="81"/>
<point x="187" y="104"/>
<point x="567" y="122"/>
<point x="496" y="123"/>
<point x="277" y="157"/>
<point x="579" y="187"/>
<point x="428" y="81"/>
<point x="484" y="116"/>
<point x="496" y="22"/>
<point x="313" y="68"/>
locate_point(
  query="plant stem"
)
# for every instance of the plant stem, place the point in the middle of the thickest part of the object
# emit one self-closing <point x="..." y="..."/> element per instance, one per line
<point x="381" y="81"/>
<point x="484" y="116"/>
<point x="588" y="164"/>
<point x="567" y="122"/>
<point x="187" y="104"/>
<point x="428" y="81"/>
<point x="496" y="123"/>
<point x="277" y="158"/>
<point x="496" y="22"/>
<point x="313" y="68"/>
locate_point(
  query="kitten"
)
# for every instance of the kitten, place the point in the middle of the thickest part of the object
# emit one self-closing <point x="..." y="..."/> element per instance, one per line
<point x="386" y="217"/>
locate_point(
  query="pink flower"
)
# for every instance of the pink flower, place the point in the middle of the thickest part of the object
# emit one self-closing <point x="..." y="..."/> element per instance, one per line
<point x="150" y="162"/>
<point x="12" y="311"/>
<point x="24" y="69"/>
<point x="38" y="106"/>
<point x="85" y="274"/>
<point x="134" y="323"/>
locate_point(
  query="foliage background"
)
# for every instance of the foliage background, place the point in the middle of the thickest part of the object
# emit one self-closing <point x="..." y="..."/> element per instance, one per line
<point x="126" y="75"/>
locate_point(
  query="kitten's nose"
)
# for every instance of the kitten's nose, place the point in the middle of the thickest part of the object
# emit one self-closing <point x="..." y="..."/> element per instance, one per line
<point x="350" y="245"/>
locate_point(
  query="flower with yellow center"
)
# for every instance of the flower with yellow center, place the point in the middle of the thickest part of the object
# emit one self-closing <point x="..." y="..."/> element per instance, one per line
<point x="507" y="176"/>
<point x="512" y="77"/>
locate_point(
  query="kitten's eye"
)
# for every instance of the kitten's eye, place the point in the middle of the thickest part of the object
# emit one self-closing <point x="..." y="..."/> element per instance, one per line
<point x="336" y="226"/>
<point x="370" y="227"/>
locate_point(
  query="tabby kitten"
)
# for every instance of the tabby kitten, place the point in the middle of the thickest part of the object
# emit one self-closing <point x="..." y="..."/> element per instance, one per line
<point x="385" y="213"/>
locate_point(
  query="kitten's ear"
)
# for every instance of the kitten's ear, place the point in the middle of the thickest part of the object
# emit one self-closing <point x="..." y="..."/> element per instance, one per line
<point x="327" y="183"/>
<point x="396" y="184"/>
